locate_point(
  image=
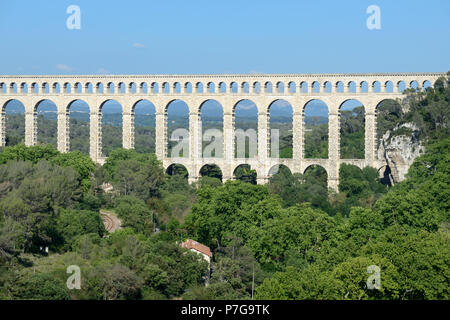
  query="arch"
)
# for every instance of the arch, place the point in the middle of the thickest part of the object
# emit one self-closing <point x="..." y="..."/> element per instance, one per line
<point x="268" y="88"/>
<point x="3" y="87"/>
<point x="110" y="88"/>
<point x="401" y="85"/>
<point x="256" y="87"/>
<point x="78" y="112"/>
<point x="376" y="86"/>
<point x="315" y="87"/>
<point x="352" y="129"/>
<point x="315" y="174"/>
<point x="211" y="116"/>
<point x="339" y="87"/>
<point x="176" y="87"/>
<point x="414" y="85"/>
<point x="426" y="85"/>
<point x="277" y="168"/>
<point x="364" y="87"/>
<point x="388" y="112"/>
<point x="143" y="87"/>
<point x="351" y="86"/>
<point x="388" y="86"/>
<point x="304" y="87"/>
<point x="88" y="88"/>
<point x="280" y="129"/>
<point x="45" y="88"/>
<point x="280" y="87"/>
<point x="211" y="87"/>
<point x="24" y="87"/>
<point x="245" y="119"/>
<point x="222" y="87"/>
<point x="13" y="88"/>
<point x="132" y="88"/>
<point x="178" y="135"/>
<point x="245" y="173"/>
<point x="327" y="87"/>
<point x="154" y="88"/>
<point x="187" y="87"/>
<point x="291" y="87"/>
<point x="111" y="129"/>
<point x="385" y="176"/>
<point x="245" y="87"/>
<point x="35" y="88"/>
<point x="165" y="87"/>
<point x="13" y="119"/>
<point x="199" y="87"/>
<point x="77" y="87"/>
<point x="234" y="87"/>
<point x="100" y="88"/>
<point x="212" y="171"/>
<point x="47" y="122"/>
<point x="316" y="127"/>
<point x="177" y="169"/>
<point x="121" y="88"/>
<point x="143" y="115"/>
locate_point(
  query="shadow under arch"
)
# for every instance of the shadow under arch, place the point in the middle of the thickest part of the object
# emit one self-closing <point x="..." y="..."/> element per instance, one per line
<point x="211" y="170"/>
<point x="315" y="129"/>
<point x="316" y="174"/>
<point x="245" y="173"/>
<point x="385" y="175"/>
<point x="177" y="169"/>
<point x="280" y="124"/>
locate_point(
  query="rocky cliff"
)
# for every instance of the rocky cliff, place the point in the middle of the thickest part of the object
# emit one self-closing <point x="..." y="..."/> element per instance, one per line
<point x="399" y="148"/>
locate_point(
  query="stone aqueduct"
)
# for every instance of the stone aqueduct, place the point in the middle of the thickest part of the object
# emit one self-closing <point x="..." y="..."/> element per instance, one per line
<point x="228" y="90"/>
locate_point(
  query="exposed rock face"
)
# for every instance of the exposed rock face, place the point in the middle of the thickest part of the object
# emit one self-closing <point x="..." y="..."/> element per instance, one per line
<point x="400" y="151"/>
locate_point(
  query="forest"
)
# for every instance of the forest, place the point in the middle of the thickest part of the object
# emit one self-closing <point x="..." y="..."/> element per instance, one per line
<point x="290" y="239"/>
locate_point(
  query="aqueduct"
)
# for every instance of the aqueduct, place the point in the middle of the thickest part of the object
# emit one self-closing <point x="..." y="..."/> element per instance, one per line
<point x="228" y="90"/>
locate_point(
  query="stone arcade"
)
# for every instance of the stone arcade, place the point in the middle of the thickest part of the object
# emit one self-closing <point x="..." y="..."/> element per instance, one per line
<point x="261" y="89"/>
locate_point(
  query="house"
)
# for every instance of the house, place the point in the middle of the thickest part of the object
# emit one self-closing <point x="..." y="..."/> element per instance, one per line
<point x="197" y="247"/>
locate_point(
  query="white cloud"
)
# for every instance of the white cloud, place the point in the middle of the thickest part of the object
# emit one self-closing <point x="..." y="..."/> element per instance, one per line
<point x="139" y="45"/>
<point x="102" y="71"/>
<point x="63" y="67"/>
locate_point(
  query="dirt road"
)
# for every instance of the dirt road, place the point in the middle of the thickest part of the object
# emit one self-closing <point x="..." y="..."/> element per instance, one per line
<point x="110" y="220"/>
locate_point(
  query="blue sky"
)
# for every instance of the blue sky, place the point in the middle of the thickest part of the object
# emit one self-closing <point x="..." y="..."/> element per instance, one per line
<point x="168" y="37"/>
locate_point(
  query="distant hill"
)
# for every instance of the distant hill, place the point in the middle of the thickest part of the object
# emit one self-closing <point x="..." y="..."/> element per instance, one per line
<point x="211" y="108"/>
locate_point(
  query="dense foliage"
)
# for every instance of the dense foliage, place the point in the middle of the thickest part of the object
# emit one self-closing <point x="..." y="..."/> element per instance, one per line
<point x="290" y="239"/>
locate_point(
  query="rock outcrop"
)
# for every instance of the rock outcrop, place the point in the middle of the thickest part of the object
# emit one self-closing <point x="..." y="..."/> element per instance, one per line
<point x="400" y="151"/>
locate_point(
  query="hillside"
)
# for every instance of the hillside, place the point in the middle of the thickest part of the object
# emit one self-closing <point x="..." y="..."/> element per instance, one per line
<point x="290" y="239"/>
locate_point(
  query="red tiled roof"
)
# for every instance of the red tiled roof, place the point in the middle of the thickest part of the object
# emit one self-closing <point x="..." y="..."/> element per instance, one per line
<point x="191" y="244"/>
